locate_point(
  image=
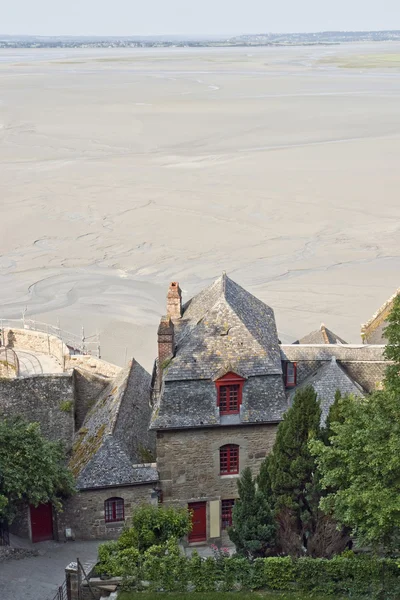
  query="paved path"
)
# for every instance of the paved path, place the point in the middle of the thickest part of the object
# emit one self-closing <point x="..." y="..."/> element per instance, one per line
<point x="38" y="577"/>
<point x="36" y="363"/>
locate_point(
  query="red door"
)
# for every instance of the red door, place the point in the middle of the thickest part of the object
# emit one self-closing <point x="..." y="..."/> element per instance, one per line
<point x="42" y="522"/>
<point x="199" y="522"/>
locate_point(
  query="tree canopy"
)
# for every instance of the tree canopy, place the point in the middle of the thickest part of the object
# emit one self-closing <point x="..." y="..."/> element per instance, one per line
<point x="32" y="469"/>
<point x="291" y="466"/>
<point x="253" y="527"/>
<point x="360" y="468"/>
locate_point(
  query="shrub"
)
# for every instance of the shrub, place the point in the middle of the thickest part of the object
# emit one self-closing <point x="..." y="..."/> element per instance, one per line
<point x="155" y="525"/>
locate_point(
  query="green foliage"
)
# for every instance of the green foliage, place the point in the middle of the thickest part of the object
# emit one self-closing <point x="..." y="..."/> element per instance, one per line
<point x="253" y="527"/>
<point x="291" y="469"/>
<point x="291" y="465"/>
<point x="360" y="469"/>
<point x="155" y="525"/>
<point x="32" y="469"/>
<point x="279" y="573"/>
<point x="66" y="406"/>
<point x="154" y="533"/>
<point x="221" y="596"/>
<point x="366" y="577"/>
<point x="392" y="350"/>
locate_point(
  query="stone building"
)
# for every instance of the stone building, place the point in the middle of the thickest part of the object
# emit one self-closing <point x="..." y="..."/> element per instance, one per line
<point x="101" y="413"/>
<point x="221" y="385"/>
<point x="113" y="459"/>
<point x="372" y="330"/>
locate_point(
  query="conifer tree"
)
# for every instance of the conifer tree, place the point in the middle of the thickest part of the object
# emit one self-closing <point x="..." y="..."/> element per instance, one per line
<point x="291" y="467"/>
<point x="253" y="527"/>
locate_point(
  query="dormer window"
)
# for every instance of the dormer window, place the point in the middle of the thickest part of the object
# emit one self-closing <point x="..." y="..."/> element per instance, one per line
<point x="291" y="374"/>
<point x="229" y="393"/>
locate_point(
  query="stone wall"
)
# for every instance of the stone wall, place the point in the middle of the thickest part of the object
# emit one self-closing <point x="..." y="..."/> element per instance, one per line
<point x="84" y="512"/>
<point x="88" y="387"/>
<point x="188" y="463"/>
<point x="374" y="334"/>
<point x="92" y="364"/>
<point x="188" y="460"/>
<point x="26" y="339"/>
<point x="47" y="399"/>
<point x="132" y="424"/>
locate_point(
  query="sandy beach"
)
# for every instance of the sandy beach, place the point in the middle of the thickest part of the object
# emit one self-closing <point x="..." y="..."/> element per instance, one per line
<point x="121" y="170"/>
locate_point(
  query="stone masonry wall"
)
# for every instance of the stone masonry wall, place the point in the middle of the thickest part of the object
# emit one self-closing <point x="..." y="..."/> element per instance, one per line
<point x="88" y="387"/>
<point x="47" y="399"/>
<point x="27" y="339"/>
<point x="92" y="364"/>
<point x="84" y="512"/>
<point x="188" y="460"/>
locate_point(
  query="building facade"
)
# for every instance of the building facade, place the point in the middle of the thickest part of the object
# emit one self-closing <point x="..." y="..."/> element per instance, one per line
<point x="221" y="385"/>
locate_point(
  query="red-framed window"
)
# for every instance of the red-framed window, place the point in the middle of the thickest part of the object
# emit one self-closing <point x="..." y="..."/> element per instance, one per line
<point x="229" y="393"/>
<point x="114" y="510"/>
<point x="291" y="374"/>
<point x="226" y="513"/>
<point x="229" y="459"/>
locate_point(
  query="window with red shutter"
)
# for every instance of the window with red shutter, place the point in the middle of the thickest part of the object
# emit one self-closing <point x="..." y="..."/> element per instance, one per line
<point x="229" y="459"/>
<point x="114" y="510"/>
<point x="229" y="393"/>
<point x="226" y="513"/>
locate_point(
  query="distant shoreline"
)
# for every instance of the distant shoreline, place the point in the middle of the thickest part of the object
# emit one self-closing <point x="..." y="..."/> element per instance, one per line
<point x="324" y="38"/>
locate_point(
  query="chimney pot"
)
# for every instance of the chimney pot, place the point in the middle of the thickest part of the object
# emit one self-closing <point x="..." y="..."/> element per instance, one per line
<point x="174" y="301"/>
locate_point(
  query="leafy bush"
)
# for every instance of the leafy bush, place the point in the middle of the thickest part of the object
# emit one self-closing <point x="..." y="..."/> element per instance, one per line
<point x="155" y="525"/>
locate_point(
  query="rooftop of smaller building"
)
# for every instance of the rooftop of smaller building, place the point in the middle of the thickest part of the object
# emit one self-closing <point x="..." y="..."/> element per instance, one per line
<point x="323" y="335"/>
<point x="326" y="381"/>
<point x="101" y="454"/>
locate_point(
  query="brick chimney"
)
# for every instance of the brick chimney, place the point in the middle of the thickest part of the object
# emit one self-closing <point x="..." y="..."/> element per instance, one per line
<point x="174" y="301"/>
<point x="166" y="341"/>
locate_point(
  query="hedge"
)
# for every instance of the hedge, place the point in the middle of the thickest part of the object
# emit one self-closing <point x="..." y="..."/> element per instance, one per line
<point x="352" y="576"/>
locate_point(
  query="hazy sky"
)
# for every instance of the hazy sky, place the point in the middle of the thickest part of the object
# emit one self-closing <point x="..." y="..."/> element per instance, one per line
<point x="143" y="17"/>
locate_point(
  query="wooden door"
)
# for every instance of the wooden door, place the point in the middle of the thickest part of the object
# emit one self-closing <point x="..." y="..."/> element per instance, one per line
<point x="42" y="522"/>
<point x="199" y="522"/>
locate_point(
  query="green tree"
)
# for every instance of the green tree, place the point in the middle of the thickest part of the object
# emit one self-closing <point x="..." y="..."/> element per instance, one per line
<point x="253" y="527"/>
<point x="32" y="469"/>
<point x="360" y="468"/>
<point x="392" y="349"/>
<point x="291" y="466"/>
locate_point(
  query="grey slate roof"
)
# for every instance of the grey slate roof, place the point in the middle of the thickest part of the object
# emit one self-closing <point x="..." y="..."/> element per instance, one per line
<point x="225" y="325"/>
<point x="347" y="352"/>
<point x="111" y="466"/>
<point x="323" y="335"/>
<point x="365" y="365"/>
<point x="107" y="445"/>
<point x="326" y="380"/>
<point x="224" y="328"/>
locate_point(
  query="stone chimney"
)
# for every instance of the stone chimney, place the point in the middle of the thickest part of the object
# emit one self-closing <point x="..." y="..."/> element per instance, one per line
<point x="174" y="301"/>
<point x="166" y="340"/>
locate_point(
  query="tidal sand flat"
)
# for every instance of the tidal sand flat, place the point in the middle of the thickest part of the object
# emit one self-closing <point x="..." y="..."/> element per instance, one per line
<point x="121" y="170"/>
